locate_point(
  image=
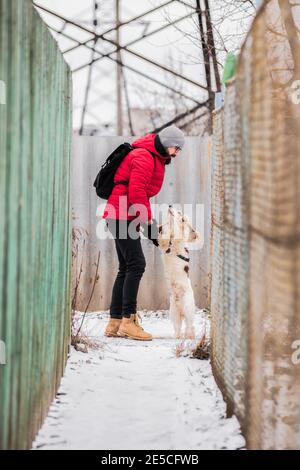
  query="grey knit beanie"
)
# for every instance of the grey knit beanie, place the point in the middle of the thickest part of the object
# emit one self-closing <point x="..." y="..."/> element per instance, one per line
<point x="171" y="137"/>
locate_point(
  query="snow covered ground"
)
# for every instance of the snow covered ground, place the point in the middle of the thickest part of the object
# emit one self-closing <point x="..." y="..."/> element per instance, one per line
<point x="139" y="395"/>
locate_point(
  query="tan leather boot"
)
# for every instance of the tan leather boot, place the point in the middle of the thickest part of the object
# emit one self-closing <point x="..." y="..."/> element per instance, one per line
<point x="131" y="328"/>
<point x="113" y="327"/>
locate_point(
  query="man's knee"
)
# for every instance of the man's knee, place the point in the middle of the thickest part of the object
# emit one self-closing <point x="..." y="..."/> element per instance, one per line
<point x="143" y="265"/>
<point x="121" y="271"/>
<point x="137" y="264"/>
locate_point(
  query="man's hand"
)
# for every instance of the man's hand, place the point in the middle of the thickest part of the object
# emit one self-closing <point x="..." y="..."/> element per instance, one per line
<point x="151" y="230"/>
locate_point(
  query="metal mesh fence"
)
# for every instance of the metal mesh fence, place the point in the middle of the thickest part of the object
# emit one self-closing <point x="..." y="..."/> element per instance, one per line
<point x="256" y="232"/>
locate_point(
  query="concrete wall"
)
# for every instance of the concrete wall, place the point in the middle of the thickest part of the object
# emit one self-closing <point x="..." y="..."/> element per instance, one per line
<point x="187" y="181"/>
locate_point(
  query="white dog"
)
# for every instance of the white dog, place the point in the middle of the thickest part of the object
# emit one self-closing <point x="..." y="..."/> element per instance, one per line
<point x="173" y="237"/>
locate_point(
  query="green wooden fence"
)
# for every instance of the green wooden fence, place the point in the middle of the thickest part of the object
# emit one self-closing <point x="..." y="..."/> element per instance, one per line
<point x="35" y="231"/>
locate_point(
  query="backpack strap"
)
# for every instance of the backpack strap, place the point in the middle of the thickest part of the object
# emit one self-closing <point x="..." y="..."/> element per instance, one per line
<point x="121" y="182"/>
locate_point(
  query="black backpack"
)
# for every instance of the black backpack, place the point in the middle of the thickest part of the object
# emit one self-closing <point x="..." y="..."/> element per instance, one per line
<point x="104" y="182"/>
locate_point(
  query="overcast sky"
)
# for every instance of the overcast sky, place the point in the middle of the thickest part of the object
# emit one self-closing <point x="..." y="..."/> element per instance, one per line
<point x="162" y="47"/>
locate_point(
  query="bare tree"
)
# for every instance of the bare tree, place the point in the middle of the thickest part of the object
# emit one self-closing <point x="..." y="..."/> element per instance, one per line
<point x="230" y="21"/>
<point x="155" y="107"/>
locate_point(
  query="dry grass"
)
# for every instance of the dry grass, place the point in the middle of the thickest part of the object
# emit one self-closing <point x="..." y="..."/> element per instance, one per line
<point x="79" y="340"/>
<point x="202" y="351"/>
<point x="83" y="343"/>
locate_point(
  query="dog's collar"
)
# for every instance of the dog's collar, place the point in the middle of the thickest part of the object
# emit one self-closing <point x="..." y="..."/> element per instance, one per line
<point x="184" y="258"/>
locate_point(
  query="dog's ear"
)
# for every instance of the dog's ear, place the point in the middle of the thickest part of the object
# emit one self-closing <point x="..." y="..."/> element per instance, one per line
<point x="194" y="236"/>
<point x="164" y="235"/>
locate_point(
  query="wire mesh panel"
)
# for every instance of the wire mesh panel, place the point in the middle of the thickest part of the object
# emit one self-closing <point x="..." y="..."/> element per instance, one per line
<point x="235" y="252"/>
<point x="259" y="330"/>
<point x="230" y="253"/>
<point x="35" y="233"/>
<point x="217" y="248"/>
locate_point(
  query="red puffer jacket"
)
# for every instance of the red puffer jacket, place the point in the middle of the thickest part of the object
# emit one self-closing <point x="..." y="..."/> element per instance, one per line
<point x="145" y="174"/>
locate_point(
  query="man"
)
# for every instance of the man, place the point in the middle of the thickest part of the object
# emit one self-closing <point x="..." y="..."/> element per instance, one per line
<point x="144" y="169"/>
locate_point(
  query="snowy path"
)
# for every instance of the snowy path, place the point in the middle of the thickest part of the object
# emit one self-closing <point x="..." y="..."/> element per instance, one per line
<point x="138" y="395"/>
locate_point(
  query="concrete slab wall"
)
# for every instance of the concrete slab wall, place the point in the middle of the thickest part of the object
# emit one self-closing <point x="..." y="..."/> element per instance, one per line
<point x="187" y="181"/>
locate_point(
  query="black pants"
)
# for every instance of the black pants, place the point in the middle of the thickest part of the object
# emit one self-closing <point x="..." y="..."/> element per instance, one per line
<point x="132" y="265"/>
